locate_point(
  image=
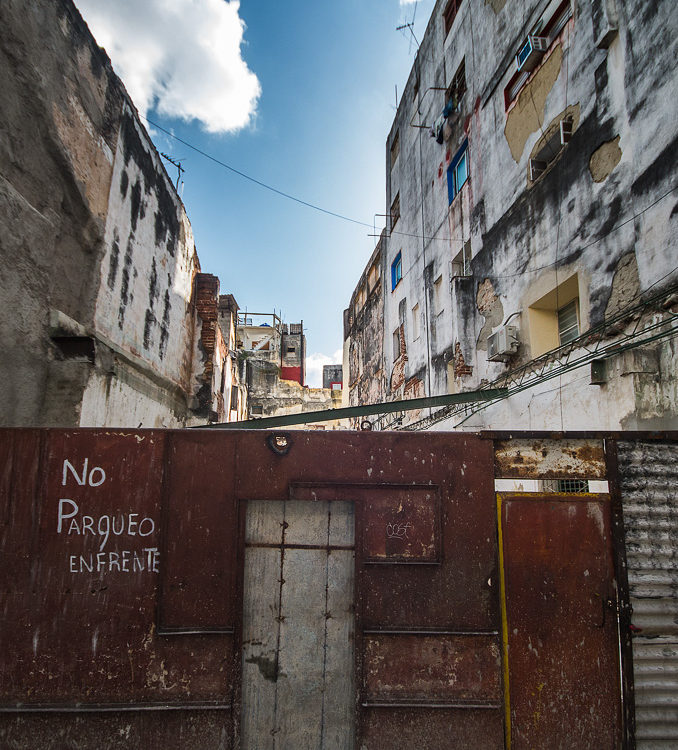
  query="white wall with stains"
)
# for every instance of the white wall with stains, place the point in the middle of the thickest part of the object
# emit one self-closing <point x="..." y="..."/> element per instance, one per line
<point x="602" y="213"/>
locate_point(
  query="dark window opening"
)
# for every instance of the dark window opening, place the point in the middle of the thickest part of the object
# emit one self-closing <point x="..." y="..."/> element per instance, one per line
<point x="75" y="347"/>
<point x="557" y="21"/>
<point x="570" y="486"/>
<point x="395" y="211"/>
<point x="456" y="90"/>
<point x="450" y="13"/>
<point x="555" y="143"/>
<point x="395" y="148"/>
<point x="396" y="344"/>
<point x="532" y="50"/>
<point x="568" y="322"/>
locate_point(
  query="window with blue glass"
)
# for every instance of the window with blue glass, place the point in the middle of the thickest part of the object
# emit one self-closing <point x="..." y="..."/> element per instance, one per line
<point x="396" y="270"/>
<point x="457" y="172"/>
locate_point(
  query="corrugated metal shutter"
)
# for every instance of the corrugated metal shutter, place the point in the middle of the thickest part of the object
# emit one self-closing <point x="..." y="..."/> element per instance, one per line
<point x="649" y="477"/>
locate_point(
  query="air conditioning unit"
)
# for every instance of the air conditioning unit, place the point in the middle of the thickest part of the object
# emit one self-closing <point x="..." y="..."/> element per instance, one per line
<point x="531" y="52"/>
<point x="502" y="344"/>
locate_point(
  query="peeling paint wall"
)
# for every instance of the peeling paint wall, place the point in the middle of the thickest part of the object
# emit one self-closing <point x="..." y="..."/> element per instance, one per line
<point x="598" y="203"/>
<point x="98" y="259"/>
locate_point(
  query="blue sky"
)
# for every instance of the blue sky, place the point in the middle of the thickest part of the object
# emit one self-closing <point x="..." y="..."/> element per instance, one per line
<point x="298" y="95"/>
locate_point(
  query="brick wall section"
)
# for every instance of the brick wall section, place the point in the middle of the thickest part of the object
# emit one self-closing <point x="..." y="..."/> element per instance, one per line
<point x="207" y="307"/>
<point x="398" y="375"/>
<point x="460" y="366"/>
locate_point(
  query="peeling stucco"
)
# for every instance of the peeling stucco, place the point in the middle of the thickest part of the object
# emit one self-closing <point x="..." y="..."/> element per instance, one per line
<point x="490" y="307"/>
<point x="604" y="159"/>
<point x="625" y="284"/>
<point x="496" y="5"/>
<point x="527" y="114"/>
<point x="461" y="369"/>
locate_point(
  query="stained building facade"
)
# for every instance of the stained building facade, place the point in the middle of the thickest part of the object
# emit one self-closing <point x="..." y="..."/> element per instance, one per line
<point x="531" y="233"/>
<point x="109" y="318"/>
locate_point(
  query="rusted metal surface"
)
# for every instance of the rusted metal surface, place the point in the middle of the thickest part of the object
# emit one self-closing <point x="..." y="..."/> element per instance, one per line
<point x="118" y="623"/>
<point x="199" y="536"/>
<point x="648" y="475"/>
<point x="401" y="524"/>
<point x="80" y="565"/>
<point x="437" y="667"/>
<point x="114" y="731"/>
<point x="433" y="728"/>
<point x="456" y="594"/>
<point x="561" y="622"/>
<point x="542" y="458"/>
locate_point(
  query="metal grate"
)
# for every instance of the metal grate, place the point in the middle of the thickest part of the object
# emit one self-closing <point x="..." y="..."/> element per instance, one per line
<point x="648" y="477"/>
<point x="566" y="485"/>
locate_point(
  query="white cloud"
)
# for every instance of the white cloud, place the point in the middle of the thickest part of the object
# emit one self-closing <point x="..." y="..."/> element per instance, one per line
<point x="314" y="367"/>
<point x="181" y="57"/>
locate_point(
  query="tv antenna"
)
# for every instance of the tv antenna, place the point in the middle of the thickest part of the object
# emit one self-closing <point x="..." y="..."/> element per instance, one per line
<point x="177" y="164"/>
<point x="410" y="27"/>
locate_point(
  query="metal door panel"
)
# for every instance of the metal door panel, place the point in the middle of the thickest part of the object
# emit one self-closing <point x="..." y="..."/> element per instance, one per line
<point x="419" y="602"/>
<point x="259" y="647"/>
<point x="199" y="514"/>
<point x="561" y="622"/>
<point x="431" y="728"/>
<point x="298" y="626"/>
<point x="300" y="685"/>
<point x="431" y="667"/>
<point x="81" y="612"/>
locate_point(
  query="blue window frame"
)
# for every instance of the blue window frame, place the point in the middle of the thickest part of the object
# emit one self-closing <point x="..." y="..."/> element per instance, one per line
<point x="457" y="172"/>
<point x="396" y="270"/>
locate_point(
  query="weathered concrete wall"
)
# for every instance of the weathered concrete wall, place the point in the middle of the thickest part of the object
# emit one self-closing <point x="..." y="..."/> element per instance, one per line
<point x="293" y="354"/>
<point x="144" y="302"/>
<point x="271" y="396"/>
<point x="58" y="134"/>
<point x="234" y="392"/>
<point x="601" y="216"/>
<point x="97" y="259"/>
<point x="332" y="374"/>
<point x="363" y="375"/>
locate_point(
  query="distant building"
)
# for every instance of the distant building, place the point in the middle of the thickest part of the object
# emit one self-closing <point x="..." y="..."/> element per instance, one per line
<point x="293" y="348"/>
<point x="109" y="320"/>
<point x="273" y="366"/>
<point x="332" y="377"/>
<point x="531" y="240"/>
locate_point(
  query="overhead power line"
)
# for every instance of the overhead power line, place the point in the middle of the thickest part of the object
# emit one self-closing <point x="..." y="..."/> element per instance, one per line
<point x="254" y="180"/>
<point x="336" y="215"/>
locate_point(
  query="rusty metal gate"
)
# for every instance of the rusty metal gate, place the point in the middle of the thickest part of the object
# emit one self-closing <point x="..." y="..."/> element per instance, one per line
<point x="290" y="590"/>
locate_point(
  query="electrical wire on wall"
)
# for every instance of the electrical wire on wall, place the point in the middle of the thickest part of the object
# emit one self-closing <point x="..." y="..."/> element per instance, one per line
<point x="427" y="312"/>
<point x="560" y="377"/>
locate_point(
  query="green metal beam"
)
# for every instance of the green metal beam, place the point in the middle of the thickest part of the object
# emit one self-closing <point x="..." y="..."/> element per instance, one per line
<point x="328" y="415"/>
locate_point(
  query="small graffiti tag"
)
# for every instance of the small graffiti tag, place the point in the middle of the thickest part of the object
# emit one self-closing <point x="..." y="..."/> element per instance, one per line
<point x="397" y="530"/>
